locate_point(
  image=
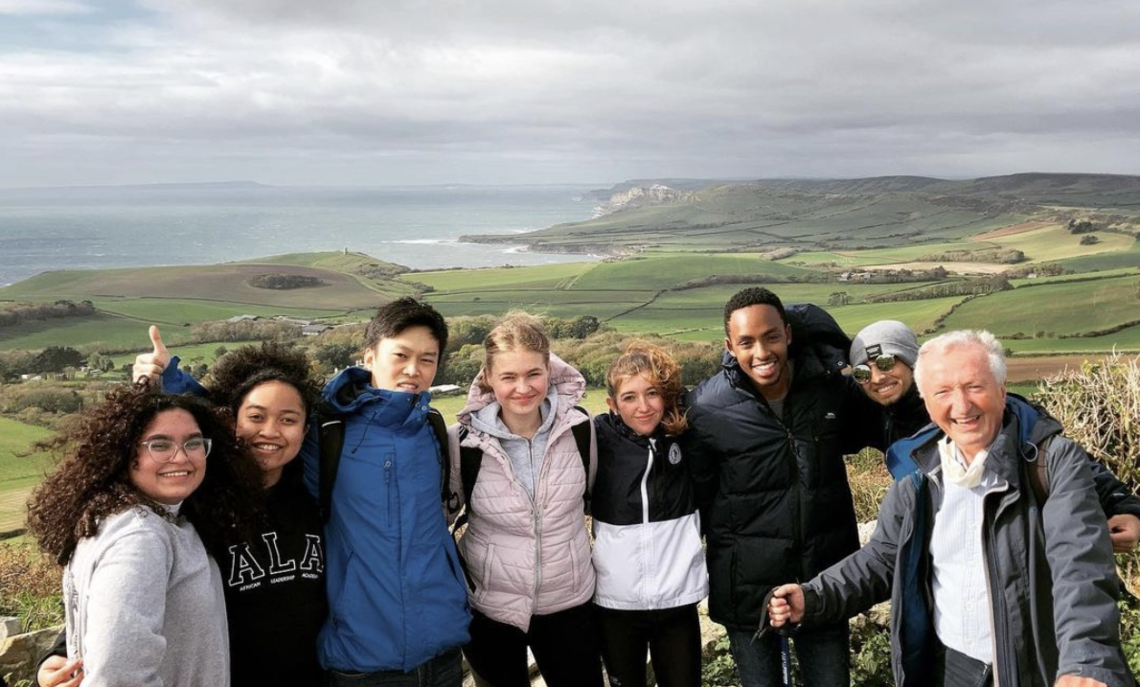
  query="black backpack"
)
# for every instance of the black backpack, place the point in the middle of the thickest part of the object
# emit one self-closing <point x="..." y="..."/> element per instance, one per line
<point x="332" y="442"/>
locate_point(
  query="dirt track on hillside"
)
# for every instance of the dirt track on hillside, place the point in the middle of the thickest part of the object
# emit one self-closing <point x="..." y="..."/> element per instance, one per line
<point x="1025" y="369"/>
<point x="1011" y="230"/>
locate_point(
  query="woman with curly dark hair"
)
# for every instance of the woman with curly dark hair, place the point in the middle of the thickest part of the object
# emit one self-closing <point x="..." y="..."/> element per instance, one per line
<point x="151" y="487"/>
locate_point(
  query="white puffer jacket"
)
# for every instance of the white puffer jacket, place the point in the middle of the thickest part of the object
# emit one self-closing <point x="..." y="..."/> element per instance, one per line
<point x="525" y="556"/>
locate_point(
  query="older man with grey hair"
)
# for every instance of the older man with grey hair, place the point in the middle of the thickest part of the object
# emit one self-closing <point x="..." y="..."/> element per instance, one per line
<point x="999" y="571"/>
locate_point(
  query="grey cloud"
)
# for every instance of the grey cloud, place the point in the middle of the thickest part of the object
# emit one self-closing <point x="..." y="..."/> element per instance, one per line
<point x="292" y="91"/>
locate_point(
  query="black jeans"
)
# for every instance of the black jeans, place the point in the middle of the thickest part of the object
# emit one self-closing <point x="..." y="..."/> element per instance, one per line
<point x="564" y="644"/>
<point x="445" y="670"/>
<point x="671" y="635"/>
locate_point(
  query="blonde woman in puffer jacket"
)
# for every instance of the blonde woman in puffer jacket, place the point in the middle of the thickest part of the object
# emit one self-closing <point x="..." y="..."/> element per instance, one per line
<point x="526" y="547"/>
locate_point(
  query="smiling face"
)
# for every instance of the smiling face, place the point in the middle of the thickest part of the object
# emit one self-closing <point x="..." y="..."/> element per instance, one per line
<point x="963" y="397"/>
<point x="759" y="341"/>
<point x="519" y="380"/>
<point x="407" y="361"/>
<point x="639" y="403"/>
<point x="888" y="387"/>
<point x="169" y="483"/>
<point x="271" y="420"/>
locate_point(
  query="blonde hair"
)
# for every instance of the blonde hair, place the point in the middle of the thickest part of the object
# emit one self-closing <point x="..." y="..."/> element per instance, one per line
<point x="517" y="331"/>
<point x="662" y="371"/>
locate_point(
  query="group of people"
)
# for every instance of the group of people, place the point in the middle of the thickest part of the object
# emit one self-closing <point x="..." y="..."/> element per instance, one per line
<point x="256" y="529"/>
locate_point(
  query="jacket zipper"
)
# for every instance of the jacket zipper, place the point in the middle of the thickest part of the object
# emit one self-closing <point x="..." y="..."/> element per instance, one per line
<point x="997" y="601"/>
<point x="797" y="534"/>
<point x="647" y="541"/>
<point x="537" y="519"/>
<point x="645" y="483"/>
<point x="388" y="487"/>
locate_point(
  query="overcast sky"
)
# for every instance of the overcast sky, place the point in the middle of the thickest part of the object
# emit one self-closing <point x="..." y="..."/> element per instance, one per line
<point x="368" y="92"/>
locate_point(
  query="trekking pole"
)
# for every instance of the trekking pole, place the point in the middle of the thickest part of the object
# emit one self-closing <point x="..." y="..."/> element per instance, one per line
<point x="786" y="661"/>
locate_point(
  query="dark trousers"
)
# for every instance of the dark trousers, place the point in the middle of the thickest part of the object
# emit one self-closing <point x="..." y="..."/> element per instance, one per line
<point x="672" y="636"/>
<point x="823" y="654"/>
<point x="445" y="670"/>
<point x="564" y="644"/>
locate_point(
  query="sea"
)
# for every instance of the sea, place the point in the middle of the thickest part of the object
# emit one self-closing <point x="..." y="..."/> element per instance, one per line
<point x="73" y="228"/>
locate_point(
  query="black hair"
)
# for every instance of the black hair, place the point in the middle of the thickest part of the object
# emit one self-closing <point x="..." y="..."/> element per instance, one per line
<point x="403" y="313"/>
<point x="753" y="295"/>
<point x="237" y="372"/>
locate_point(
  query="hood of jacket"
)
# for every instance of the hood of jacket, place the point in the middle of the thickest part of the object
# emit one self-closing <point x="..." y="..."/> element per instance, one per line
<point x="568" y="385"/>
<point x="351" y="391"/>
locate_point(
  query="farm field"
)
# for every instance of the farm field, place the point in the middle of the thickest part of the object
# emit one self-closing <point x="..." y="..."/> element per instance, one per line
<point x="1067" y="308"/>
<point x="1105" y="261"/>
<point x="664" y="270"/>
<point x="99" y="331"/>
<point x="1052" y="243"/>
<point x="227" y="283"/>
<point x="179" y="311"/>
<point x="461" y="281"/>
<point x="18" y="474"/>
<point x="1084" y="276"/>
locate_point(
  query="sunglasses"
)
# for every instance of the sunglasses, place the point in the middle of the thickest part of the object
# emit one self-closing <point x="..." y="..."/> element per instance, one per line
<point x="862" y="373"/>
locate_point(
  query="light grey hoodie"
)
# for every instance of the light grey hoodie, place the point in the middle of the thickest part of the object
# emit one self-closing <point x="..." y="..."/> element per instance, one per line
<point x="525" y="454"/>
<point x="144" y="605"/>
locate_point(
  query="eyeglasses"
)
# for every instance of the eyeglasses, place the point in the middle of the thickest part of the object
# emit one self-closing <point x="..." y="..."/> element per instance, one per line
<point x="862" y="373"/>
<point x="164" y="450"/>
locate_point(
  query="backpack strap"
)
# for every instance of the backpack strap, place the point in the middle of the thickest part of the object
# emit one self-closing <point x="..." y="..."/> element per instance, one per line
<point x="332" y="441"/>
<point x="1038" y="472"/>
<point x="449" y="499"/>
<point x="471" y="461"/>
<point x="584" y="439"/>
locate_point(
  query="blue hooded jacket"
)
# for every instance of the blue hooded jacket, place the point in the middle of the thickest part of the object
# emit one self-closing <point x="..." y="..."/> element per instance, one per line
<point x="396" y="593"/>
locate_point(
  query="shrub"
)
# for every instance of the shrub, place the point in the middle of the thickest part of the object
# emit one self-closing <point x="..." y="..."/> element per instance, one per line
<point x="718" y="669"/>
<point x="867" y="474"/>
<point x="30" y="587"/>
<point x="1099" y="407"/>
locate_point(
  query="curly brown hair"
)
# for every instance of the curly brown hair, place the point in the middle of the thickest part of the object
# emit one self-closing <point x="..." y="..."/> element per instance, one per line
<point x="659" y="367"/>
<point x="93" y="482"/>
<point x="236" y="373"/>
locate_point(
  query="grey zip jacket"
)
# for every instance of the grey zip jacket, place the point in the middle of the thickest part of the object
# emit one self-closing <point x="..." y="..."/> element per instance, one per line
<point x="1050" y="570"/>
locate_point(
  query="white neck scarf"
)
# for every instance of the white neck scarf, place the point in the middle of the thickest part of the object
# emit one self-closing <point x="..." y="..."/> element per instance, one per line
<point x="953" y="468"/>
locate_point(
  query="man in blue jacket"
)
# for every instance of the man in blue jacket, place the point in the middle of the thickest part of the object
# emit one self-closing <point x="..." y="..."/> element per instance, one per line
<point x="397" y="600"/>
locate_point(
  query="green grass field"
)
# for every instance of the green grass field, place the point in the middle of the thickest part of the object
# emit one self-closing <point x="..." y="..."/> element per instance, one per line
<point x="464" y="281"/>
<point x="18" y="474"/>
<point x="1053" y="243"/>
<point x="1067" y="308"/>
<point x="225" y="284"/>
<point x="178" y="311"/>
<point x="104" y="332"/>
